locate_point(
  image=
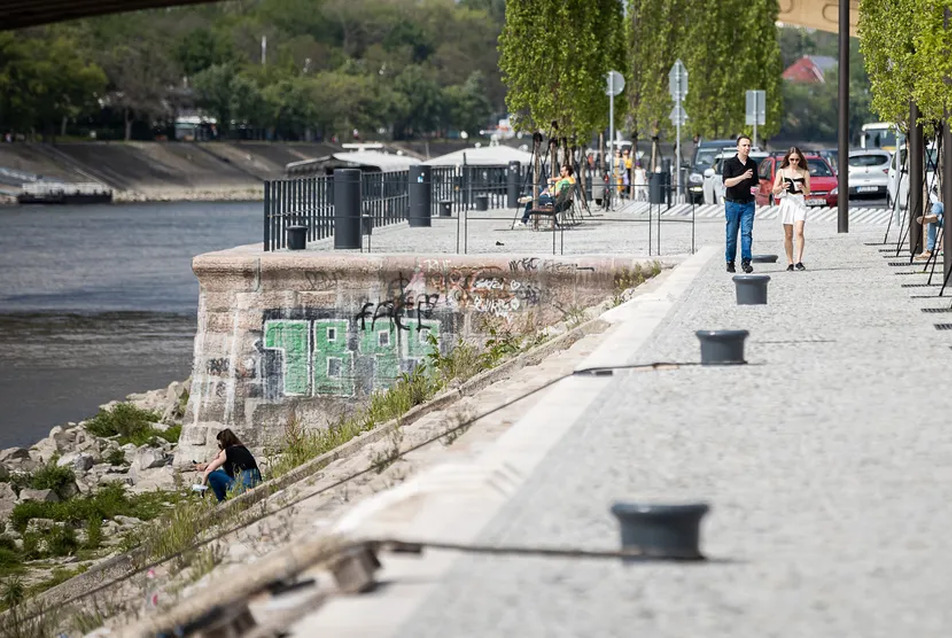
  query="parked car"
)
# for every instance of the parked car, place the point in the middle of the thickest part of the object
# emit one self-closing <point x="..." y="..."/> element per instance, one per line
<point x="704" y="154"/>
<point x="713" y="177"/>
<point x="823" y="191"/>
<point x="900" y="157"/>
<point x="869" y="173"/>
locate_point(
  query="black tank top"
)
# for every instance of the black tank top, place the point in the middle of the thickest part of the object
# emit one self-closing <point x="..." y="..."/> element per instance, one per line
<point x="238" y="458"/>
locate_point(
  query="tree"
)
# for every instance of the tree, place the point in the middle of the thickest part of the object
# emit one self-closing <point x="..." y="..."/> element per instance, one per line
<point x="466" y="105"/>
<point x="141" y="79"/>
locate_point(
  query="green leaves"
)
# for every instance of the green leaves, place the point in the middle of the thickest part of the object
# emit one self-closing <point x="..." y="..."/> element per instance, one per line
<point x="908" y="56"/>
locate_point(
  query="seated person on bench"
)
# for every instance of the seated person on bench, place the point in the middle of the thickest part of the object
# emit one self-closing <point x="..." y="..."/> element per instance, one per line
<point x="934" y="220"/>
<point x="556" y="186"/>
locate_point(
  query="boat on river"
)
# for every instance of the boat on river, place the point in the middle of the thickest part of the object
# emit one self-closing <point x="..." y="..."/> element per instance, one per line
<point x="64" y="193"/>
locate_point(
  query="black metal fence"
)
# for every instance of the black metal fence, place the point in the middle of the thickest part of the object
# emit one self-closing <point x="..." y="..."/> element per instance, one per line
<point x="309" y="201"/>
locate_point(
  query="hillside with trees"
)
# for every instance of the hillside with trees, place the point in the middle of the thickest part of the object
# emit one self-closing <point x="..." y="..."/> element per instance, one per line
<point x="264" y="69"/>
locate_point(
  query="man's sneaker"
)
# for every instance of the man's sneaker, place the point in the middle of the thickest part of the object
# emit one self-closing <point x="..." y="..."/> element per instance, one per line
<point x="525" y="199"/>
<point x="800" y="266"/>
<point x="790" y="268"/>
<point x="746" y="266"/>
<point x="730" y="267"/>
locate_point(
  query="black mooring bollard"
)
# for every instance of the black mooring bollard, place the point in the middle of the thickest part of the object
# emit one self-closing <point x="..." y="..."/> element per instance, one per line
<point x="764" y="259"/>
<point x="751" y="289"/>
<point x="661" y="531"/>
<point x="297" y="237"/>
<point x="722" y="347"/>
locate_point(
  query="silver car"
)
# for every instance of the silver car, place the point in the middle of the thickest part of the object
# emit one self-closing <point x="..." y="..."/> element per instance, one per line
<point x="869" y="173"/>
<point x="713" y="186"/>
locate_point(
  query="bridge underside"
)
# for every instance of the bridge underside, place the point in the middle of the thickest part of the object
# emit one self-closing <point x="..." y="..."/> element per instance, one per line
<point x="17" y="14"/>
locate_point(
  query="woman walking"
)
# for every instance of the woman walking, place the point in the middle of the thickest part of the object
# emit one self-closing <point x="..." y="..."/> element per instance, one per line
<point x="792" y="186"/>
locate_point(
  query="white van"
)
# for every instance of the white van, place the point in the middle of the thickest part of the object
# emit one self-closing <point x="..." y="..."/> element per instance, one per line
<point x="900" y="159"/>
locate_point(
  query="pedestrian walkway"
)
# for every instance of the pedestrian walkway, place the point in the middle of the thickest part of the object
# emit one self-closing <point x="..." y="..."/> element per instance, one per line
<point x="824" y="461"/>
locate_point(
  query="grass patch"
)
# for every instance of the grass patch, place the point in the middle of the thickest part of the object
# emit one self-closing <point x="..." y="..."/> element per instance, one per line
<point x="48" y="477"/>
<point x="129" y="423"/>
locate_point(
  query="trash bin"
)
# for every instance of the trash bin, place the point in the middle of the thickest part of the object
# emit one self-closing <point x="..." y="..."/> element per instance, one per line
<point x="367" y="224"/>
<point x="656" y="188"/>
<point x="297" y="237"/>
<point x="446" y="208"/>
<point x="482" y="202"/>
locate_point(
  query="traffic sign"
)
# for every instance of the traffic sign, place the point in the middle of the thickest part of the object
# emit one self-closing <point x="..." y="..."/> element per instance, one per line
<point x="678" y="116"/>
<point x="756" y="112"/>
<point x="678" y="80"/>
<point x="615" y="83"/>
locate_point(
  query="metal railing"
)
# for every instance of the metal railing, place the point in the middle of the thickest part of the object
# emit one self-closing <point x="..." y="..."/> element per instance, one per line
<point x="384" y="198"/>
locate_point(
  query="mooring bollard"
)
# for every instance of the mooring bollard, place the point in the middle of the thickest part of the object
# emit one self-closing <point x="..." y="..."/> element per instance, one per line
<point x="722" y="347"/>
<point x="751" y="289"/>
<point x="764" y="259"/>
<point x="661" y="531"/>
<point x="297" y="237"/>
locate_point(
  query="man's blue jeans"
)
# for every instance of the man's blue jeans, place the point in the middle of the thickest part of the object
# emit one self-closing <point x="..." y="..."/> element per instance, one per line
<point x="739" y="217"/>
<point x="221" y="482"/>
<point x="939" y="211"/>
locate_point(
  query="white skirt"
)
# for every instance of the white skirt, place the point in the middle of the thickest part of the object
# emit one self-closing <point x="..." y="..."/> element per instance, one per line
<point x="792" y="209"/>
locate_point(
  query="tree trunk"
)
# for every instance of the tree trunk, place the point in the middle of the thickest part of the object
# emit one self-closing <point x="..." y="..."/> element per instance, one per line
<point x="128" y="123"/>
<point x="63" y="126"/>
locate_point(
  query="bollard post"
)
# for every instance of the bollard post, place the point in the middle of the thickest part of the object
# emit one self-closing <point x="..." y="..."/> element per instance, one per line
<point x="722" y="347"/>
<point x="419" y="195"/>
<point x="346" y="208"/>
<point x="661" y="531"/>
<point x="513" y="177"/>
<point x="751" y="289"/>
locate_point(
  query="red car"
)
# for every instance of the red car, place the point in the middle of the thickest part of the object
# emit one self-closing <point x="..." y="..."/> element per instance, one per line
<point x="823" y="182"/>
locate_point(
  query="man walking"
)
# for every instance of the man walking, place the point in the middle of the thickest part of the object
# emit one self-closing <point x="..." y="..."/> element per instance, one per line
<point x="740" y="178"/>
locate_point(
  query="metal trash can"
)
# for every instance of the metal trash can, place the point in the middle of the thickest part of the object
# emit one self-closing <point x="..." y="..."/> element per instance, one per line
<point x="482" y="202"/>
<point x="656" y="188"/>
<point x="297" y="237"/>
<point x="446" y="208"/>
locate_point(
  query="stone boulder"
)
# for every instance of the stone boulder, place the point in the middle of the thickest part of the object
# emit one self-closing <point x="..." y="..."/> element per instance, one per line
<point x="148" y="480"/>
<point x="18" y="459"/>
<point x="8" y="499"/>
<point x="149" y="457"/>
<point x="43" y="496"/>
<point x="80" y="462"/>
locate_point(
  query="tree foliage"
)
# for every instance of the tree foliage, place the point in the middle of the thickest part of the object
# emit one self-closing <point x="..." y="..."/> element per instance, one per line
<point x="728" y="47"/>
<point x="411" y="67"/>
<point x="908" y="53"/>
<point x="554" y="57"/>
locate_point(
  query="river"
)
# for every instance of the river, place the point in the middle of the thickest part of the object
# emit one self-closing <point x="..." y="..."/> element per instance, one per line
<point x="97" y="302"/>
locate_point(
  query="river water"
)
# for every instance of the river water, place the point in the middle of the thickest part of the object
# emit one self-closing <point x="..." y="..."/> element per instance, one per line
<point x="97" y="302"/>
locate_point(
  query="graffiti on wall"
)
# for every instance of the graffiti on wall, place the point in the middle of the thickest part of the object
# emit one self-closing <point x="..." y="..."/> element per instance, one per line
<point x="339" y="356"/>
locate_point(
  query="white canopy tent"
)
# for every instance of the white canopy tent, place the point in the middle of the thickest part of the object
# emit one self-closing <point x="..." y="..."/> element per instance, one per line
<point x="483" y="156"/>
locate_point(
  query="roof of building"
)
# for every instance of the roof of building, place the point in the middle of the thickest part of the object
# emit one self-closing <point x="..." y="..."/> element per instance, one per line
<point x="482" y="156"/>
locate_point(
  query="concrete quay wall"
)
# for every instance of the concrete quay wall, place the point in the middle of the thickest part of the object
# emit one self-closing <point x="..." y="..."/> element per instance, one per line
<point x="309" y="334"/>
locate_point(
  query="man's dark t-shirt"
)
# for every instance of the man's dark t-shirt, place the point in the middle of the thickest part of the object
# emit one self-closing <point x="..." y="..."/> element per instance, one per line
<point x="741" y="191"/>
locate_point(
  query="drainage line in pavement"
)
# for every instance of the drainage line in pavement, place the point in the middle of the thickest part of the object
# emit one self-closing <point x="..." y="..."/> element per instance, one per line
<point x="412" y="547"/>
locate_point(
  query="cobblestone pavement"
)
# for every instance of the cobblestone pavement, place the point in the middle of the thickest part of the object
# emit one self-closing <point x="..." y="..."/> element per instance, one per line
<point x="825" y="462"/>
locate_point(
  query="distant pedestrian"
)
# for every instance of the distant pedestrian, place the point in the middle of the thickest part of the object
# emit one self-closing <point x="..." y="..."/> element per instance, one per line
<point x="740" y="180"/>
<point x="641" y="183"/>
<point x="792" y="186"/>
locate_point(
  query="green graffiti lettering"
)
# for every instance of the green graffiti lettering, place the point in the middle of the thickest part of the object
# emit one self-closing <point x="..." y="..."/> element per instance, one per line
<point x="291" y="338"/>
<point x="333" y="362"/>
<point x="416" y="340"/>
<point x="381" y="344"/>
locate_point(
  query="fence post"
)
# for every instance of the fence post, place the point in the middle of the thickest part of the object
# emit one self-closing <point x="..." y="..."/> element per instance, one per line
<point x="346" y="208"/>
<point x="513" y="176"/>
<point x="419" y="195"/>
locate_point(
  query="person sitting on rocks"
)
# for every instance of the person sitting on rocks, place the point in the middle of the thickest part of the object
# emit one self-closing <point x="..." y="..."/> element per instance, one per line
<point x="237" y="465"/>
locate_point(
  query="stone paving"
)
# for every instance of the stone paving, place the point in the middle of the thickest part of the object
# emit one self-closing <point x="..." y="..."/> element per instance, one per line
<point x="825" y="461"/>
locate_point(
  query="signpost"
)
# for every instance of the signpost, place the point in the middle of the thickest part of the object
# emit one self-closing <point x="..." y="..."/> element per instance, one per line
<point x="756" y="112"/>
<point x="678" y="87"/>
<point x="615" y="84"/>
